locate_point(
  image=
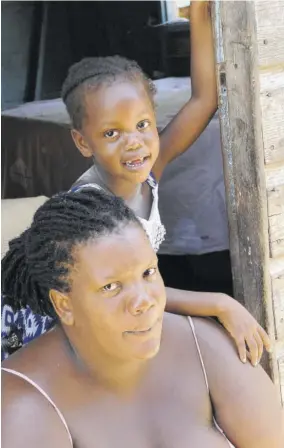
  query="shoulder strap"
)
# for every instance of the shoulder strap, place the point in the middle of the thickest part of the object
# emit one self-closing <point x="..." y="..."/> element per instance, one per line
<point x="85" y="187"/>
<point x="42" y="392"/>
<point x="205" y="376"/>
<point x="199" y="351"/>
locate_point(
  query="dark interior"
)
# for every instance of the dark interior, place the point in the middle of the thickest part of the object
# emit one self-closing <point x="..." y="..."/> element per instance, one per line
<point x="57" y="34"/>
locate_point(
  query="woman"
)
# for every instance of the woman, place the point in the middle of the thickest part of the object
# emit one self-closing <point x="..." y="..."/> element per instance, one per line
<point x="116" y="370"/>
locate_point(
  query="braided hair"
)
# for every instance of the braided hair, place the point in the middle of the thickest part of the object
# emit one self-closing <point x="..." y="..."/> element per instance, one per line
<point x="90" y="73"/>
<point x="41" y="258"/>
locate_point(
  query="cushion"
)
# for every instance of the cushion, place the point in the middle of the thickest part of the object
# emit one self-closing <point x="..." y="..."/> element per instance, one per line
<point x="17" y="215"/>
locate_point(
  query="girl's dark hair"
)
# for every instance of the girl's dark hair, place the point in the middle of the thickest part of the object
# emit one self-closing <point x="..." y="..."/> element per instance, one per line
<point x="90" y="73"/>
<point x="41" y="257"/>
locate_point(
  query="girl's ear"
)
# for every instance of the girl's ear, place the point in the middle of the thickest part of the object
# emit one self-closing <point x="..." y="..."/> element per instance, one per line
<point x="81" y="143"/>
<point x="62" y="306"/>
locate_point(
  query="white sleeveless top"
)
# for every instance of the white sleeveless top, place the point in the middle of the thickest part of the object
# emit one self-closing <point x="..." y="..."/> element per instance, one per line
<point x="152" y="226"/>
<point x="61" y="416"/>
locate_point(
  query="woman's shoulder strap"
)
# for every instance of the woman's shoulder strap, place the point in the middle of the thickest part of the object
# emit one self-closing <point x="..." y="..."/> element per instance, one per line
<point x="199" y="351"/>
<point x="42" y="392"/>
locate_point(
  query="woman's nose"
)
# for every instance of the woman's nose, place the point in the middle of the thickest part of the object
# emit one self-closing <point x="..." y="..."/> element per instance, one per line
<point x="140" y="302"/>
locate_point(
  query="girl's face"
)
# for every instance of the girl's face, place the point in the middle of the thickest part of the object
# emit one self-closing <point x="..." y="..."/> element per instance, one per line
<point x="118" y="296"/>
<point x="119" y="130"/>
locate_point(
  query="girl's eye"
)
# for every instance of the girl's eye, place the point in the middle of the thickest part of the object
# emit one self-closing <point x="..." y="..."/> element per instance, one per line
<point x="112" y="133"/>
<point x="150" y="272"/>
<point x="110" y="287"/>
<point x="144" y="124"/>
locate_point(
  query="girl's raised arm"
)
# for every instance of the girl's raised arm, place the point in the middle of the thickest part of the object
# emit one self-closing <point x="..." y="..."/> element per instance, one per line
<point x="192" y="119"/>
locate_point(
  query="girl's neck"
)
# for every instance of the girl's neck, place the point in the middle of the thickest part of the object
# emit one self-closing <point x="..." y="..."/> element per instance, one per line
<point x="119" y="187"/>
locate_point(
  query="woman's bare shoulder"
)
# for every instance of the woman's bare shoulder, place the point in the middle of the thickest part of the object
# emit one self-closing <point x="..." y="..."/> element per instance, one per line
<point x="28" y="419"/>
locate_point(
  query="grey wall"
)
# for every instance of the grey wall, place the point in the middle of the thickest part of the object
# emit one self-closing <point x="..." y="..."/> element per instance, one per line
<point x="16" y="32"/>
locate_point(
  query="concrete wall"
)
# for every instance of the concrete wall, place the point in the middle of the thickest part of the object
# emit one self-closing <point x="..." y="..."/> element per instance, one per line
<point x="16" y="32"/>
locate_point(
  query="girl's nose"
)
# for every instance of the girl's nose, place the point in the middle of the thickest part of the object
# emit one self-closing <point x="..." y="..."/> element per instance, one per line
<point x="133" y="143"/>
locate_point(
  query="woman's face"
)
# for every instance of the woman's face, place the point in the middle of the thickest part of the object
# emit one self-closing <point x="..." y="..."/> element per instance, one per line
<point x="118" y="296"/>
<point x="120" y="131"/>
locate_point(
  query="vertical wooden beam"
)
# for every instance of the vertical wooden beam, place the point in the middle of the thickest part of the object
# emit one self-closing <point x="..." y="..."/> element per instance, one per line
<point x="42" y="43"/>
<point x="241" y="129"/>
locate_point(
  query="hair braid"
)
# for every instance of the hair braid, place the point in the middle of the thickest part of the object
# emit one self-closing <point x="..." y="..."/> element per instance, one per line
<point x="41" y="257"/>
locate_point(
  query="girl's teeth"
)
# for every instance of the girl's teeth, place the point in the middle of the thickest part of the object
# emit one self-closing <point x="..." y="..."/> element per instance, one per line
<point x="135" y="163"/>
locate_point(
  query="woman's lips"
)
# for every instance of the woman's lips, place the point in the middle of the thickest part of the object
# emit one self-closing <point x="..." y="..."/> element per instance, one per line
<point x="144" y="330"/>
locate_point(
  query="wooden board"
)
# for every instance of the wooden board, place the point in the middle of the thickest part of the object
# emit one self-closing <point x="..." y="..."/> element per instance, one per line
<point x="276" y="235"/>
<point x="270" y="32"/>
<point x="279" y="350"/>
<point x="276" y="268"/>
<point x="275" y="189"/>
<point x="241" y="129"/>
<point x="278" y="306"/>
<point x="279" y="355"/>
<point x="281" y="376"/>
<point x="272" y="111"/>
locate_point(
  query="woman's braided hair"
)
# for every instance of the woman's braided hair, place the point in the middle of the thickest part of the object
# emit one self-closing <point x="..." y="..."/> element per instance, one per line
<point x="41" y="257"/>
<point x="90" y="73"/>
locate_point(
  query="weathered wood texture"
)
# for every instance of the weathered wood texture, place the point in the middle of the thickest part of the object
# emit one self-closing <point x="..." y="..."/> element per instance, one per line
<point x="276" y="235"/>
<point x="272" y="110"/>
<point x="275" y="189"/>
<point x="281" y="373"/>
<point x="275" y="202"/>
<point x="250" y="72"/>
<point x="270" y="32"/>
<point x="279" y="350"/>
<point x="270" y="39"/>
<point x="277" y="287"/>
<point x="241" y="128"/>
<point x="277" y="283"/>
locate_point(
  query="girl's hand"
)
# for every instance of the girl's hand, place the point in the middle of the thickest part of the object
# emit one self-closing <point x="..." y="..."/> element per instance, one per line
<point x="197" y="4"/>
<point x="245" y="331"/>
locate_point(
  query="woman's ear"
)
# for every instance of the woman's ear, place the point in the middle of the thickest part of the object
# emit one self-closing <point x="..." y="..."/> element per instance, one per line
<point x="81" y="143"/>
<point x="62" y="306"/>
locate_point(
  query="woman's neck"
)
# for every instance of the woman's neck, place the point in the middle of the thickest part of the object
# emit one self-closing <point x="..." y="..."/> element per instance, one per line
<point x="115" y="373"/>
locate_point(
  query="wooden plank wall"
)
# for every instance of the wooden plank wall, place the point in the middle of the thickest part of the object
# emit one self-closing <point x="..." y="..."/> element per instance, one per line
<point x="270" y="43"/>
<point x="249" y="39"/>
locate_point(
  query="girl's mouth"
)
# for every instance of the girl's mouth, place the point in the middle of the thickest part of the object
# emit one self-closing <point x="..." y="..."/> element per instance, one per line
<point x="137" y="163"/>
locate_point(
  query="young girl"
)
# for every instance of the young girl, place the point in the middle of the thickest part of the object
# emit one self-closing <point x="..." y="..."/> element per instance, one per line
<point x="111" y="105"/>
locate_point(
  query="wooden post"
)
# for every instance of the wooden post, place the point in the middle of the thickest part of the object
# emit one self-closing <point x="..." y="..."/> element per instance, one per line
<point x="249" y="40"/>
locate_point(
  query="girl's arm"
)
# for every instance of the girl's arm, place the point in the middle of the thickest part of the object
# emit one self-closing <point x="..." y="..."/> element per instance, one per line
<point x="188" y="124"/>
<point x="245" y="401"/>
<point x="239" y="323"/>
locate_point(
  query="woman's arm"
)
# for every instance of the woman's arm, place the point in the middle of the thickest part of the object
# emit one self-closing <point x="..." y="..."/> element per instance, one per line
<point x="245" y="401"/>
<point x="239" y="323"/>
<point x="188" y="124"/>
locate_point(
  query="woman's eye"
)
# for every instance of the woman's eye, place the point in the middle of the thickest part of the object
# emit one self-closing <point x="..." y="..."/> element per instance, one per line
<point x="144" y="124"/>
<point x="112" y="133"/>
<point x="110" y="287"/>
<point x="150" y="272"/>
